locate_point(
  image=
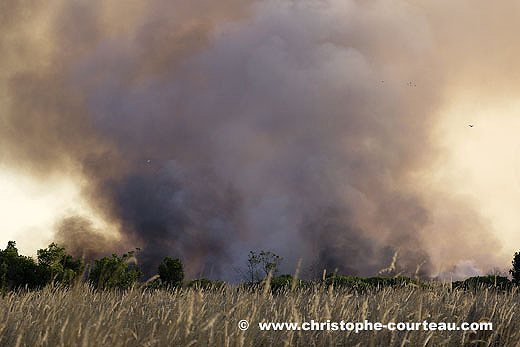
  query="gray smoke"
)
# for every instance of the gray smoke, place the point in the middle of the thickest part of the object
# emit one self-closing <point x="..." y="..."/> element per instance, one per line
<point x="209" y="130"/>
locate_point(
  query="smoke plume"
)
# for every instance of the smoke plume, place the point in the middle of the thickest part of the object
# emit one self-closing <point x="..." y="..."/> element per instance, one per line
<point x="206" y="129"/>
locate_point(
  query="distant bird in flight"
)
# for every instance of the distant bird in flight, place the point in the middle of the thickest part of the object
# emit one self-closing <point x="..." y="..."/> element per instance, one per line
<point x="148" y="161"/>
<point x="470" y="125"/>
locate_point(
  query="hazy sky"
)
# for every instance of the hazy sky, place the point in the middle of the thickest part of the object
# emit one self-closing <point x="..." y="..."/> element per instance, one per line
<point x="330" y="130"/>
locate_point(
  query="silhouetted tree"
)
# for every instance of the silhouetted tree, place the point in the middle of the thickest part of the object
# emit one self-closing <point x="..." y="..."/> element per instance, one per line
<point x="171" y="272"/>
<point x="515" y="270"/>
<point x="260" y="264"/>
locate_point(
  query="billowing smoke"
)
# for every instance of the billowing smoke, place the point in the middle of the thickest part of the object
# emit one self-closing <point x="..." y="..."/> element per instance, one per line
<point x="206" y="129"/>
<point x="461" y="271"/>
<point x="80" y="237"/>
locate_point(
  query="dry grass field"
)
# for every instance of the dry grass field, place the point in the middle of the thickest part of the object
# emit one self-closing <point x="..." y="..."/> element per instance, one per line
<point x="82" y="316"/>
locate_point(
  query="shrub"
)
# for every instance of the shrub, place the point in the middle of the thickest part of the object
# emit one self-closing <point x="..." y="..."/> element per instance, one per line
<point x="479" y="282"/>
<point x="154" y="283"/>
<point x="278" y="284"/>
<point x="171" y="272"/>
<point x="281" y="282"/>
<point x="360" y="283"/>
<point x="285" y="282"/>
<point x="204" y="283"/>
<point x="115" y="272"/>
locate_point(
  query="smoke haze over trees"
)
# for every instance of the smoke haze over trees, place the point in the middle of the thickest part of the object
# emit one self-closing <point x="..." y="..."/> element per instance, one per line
<point x="205" y="129"/>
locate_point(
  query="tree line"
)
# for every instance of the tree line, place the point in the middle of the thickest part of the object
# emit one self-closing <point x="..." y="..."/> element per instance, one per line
<point x="54" y="266"/>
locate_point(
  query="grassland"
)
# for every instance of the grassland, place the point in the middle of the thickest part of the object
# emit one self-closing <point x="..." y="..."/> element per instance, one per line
<point x="82" y="316"/>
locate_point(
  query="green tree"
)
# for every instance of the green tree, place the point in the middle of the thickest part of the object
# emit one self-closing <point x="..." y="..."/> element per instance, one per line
<point x="18" y="271"/>
<point x="171" y="272"/>
<point x="57" y="266"/>
<point x="515" y="270"/>
<point x="115" y="272"/>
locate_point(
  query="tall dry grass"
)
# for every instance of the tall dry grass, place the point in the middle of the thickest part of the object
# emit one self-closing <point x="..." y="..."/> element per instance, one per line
<point x="82" y="316"/>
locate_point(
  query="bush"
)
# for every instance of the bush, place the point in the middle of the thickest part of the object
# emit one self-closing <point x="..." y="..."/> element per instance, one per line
<point x="278" y="284"/>
<point x="389" y="281"/>
<point x="479" y="282"/>
<point x="360" y="283"/>
<point x="154" y="283"/>
<point x="171" y="272"/>
<point x="115" y="272"/>
<point x="204" y="283"/>
<point x="281" y="282"/>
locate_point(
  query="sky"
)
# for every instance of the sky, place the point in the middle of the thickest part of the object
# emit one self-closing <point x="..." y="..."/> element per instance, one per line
<point x="337" y="132"/>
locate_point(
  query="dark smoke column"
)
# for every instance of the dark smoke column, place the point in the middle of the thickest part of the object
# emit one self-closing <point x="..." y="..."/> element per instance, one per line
<point x="205" y="131"/>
